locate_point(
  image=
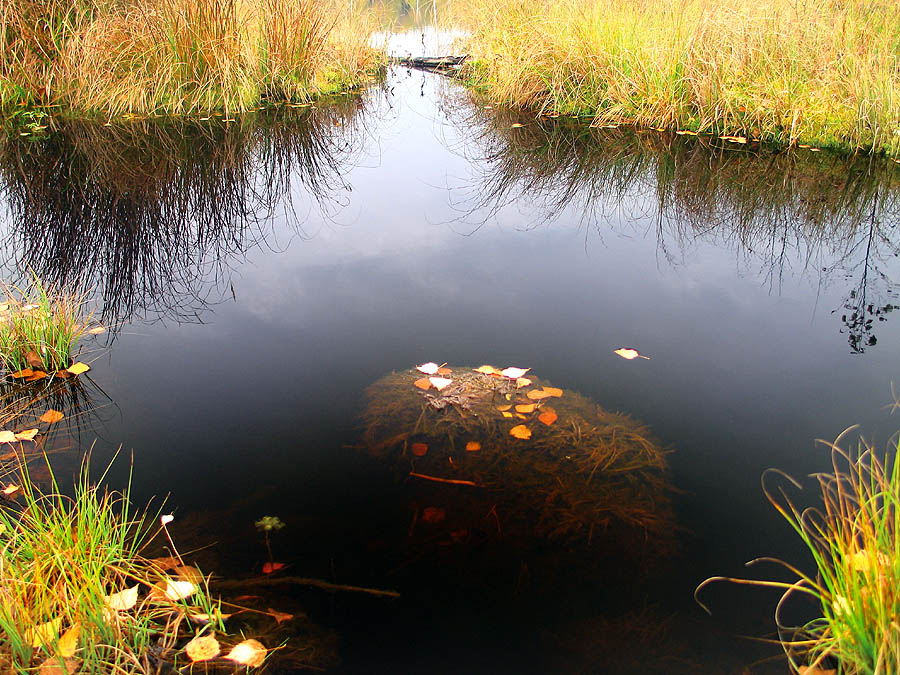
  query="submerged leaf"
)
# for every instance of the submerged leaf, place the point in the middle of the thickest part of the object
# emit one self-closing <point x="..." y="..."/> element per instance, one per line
<point x="444" y="371"/>
<point x="52" y="416"/>
<point x="202" y="648"/>
<point x="525" y="408"/>
<point x="97" y="330"/>
<point x="538" y="394"/>
<point x="548" y="417"/>
<point x="10" y="489"/>
<point x="520" y="431"/>
<point x="279" y="616"/>
<point x="249" y="653"/>
<point x="36" y="375"/>
<point x="473" y="446"/>
<point x="503" y="408"/>
<point x="419" y="449"/>
<point x="433" y="514"/>
<point x="272" y="567"/>
<point x="553" y="391"/>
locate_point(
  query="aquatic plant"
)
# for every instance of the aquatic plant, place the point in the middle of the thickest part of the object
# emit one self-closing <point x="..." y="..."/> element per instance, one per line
<point x="854" y="540"/>
<point x="40" y="326"/>
<point x="787" y="72"/>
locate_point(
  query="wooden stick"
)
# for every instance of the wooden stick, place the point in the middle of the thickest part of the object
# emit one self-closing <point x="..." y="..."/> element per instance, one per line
<point x="443" y="480"/>
<point x="304" y="581"/>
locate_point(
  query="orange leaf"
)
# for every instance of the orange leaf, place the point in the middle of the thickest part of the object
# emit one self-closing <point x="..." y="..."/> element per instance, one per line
<point x="270" y="567"/>
<point x="525" y="408"/>
<point x="553" y="391"/>
<point x="419" y="449"/>
<point x="202" y="648"/>
<point x="548" y="417"/>
<point x="538" y="394"/>
<point x="504" y="413"/>
<point x="7" y="437"/>
<point x="78" y="368"/>
<point x="52" y="416"/>
<point x="444" y="371"/>
<point x="280" y="616"/>
<point x="63" y="374"/>
<point x="26" y="372"/>
<point x="487" y="370"/>
<point x="520" y="431"/>
<point x="36" y="375"/>
<point x="473" y="446"/>
<point x="503" y="408"/>
<point x="523" y="382"/>
<point x="423" y="383"/>
<point x="27" y="435"/>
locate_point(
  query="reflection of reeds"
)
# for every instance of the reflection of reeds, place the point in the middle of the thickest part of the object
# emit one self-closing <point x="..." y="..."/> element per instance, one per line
<point x="834" y="214"/>
<point x="150" y="213"/>
<point x="588" y="472"/>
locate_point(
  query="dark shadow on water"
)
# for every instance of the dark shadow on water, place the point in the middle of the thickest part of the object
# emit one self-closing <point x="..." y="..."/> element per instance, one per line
<point x="152" y="213"/>
<point x="838" y="216"/>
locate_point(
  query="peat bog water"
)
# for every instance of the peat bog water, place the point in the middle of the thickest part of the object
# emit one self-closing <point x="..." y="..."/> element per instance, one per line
<point x="259" y="276"/>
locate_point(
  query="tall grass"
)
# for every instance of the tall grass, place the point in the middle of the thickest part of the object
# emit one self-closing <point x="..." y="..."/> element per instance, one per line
<point x="176" y="57"/>
<point x="854" y="539"/>
<point x="821" y="73"/>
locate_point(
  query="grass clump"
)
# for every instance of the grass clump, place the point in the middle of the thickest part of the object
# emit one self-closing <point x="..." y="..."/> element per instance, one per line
<point x="39" y="327"/>
<point x="73" y="582"/>
<point x="824" y="73"/>
<point x="854" y="539"/>
<point x="176" y="57"/>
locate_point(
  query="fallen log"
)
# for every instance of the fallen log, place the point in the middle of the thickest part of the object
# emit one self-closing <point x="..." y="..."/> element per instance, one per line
<point x="440" y="64"/>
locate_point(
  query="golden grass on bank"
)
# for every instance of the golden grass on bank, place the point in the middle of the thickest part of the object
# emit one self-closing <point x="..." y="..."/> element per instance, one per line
<point x="825" y="73"/>
<point x="177" y="57"/>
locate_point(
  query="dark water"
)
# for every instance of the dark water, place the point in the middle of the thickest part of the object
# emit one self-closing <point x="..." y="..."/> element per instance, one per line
<point x="259" y="276"/>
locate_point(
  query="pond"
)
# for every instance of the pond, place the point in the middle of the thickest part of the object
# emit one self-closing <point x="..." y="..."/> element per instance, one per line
<point x="259" y="276"/>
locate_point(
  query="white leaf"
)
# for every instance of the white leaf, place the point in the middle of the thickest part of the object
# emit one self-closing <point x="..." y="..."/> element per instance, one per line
<point x="514" y="373"/>
<point x="439" y="382"/>
<point x="428" y="368"/>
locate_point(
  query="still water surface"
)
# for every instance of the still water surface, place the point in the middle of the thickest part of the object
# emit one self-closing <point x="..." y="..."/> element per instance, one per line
<point x="259" y="276"/>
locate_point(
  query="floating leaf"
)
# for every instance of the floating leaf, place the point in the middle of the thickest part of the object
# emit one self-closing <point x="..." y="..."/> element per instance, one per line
<point x="627" y="353"/>
<point x="97" y="330"/>
<point x="7" y="437"/>
<point x="36" y="375"/>
<point x="487" y="370"/>
<point x="520" y="431"/>
<point x="279" y="616"/>
<point x="249" y="653"/>
<point x="538" y="394"/>
<point x="25" y="372"/>
<point x="525" y="408"/>
<point x="553" y="391"/>
<point x="272" y="567"/>
<point x="43" y="634"/>
<point x="423" y="383"/>
<point x="78" y="368"/>
<point x="503" y="408"/>
<point x="439" y="382"/>
<point x="68" y="643"/>
<point x="419" y="449"/>
<point x="202" y="648"/>
<point x="52" y="416"/>
<point x="473" y="446"/>
<point x="10" y="489"/>
<point x="514" y="373"/>
<point x="123" y="600"/>
<point x="433" y="514"/>
<point x="523" y="382"/>
<point x="27" y="435"/>
<point x="428" y="368"/>
<point x="548" y="417"/>
<point x="179" y="590"/>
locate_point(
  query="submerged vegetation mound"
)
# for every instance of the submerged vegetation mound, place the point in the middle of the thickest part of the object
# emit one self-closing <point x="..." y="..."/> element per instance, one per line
<point x="823" y="73"/>
<point x="510" y="456"/>
<point x="176" y="57"/>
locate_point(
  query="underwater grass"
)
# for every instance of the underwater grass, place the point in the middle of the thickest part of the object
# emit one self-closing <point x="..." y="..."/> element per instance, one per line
<point x="176" y="57"/>
<point x="854" y="539"/>
<point x="820" y="73"/>
<point x="61" y="559"/>
<point x="40" y="326"/>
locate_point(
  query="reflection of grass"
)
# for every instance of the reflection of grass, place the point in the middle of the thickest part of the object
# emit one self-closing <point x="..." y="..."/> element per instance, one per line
<point x="820" y="73"/>
<point x="62" y="557"/>
<point x="40" y="327"/>
<point x="855" y="542"/>
<point x="176" y="57"/>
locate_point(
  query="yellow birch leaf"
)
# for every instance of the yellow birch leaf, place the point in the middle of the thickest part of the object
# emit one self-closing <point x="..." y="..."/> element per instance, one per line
<point x="7" y="437"/>
<point x="78" y="368"/>
<point x="520" y="431"/>
<point x="473" y="446"/>
<point x="525" y="408"/>
<point x="522" y="382"/>
<point x="507" y="414"/>
<point x="68" y="643"/>
<point x="249" y="653"/>
<point x="27" y="435"/>
<point x="503" y="408"/>
<point x="52" y="416"/>
<point x="202" y="648"/>
<point x="43" y="634"/>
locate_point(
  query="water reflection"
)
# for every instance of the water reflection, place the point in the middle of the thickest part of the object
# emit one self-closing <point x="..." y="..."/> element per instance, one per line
<point x="837" y="216"/>
<point x="151" y="213"/>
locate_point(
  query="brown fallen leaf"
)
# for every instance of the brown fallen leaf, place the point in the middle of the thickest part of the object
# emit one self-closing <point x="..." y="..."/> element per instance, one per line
<point x="473" y="446"/>
<point x="7" y="436"/>
<point x="36" y="375"/>
<point x="525" y="408"/>
<point x="33" y="359"/>
<point x="279" y="616"/>
<point x="520" y="431"/>
<point x="538" y="394"/>
<point x="25" y="372"/>
<point x="423" y="383"/>
<point x="187" y="573"/>
<point x="165" y="564"/>
<point x="433" y="514"/>
<point x="249" y="653"/>
<point x="51" y="666"/>
<point x="27" y="435"/>
<point x="51" y="416"/>
<point x="63" y="374"/>
<point x="202" y="648"/>
<point x="68" y="643"/>
<point x="548" y="417"/>
<point x="419" y="449"/>
<point x="78" y="368"/>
